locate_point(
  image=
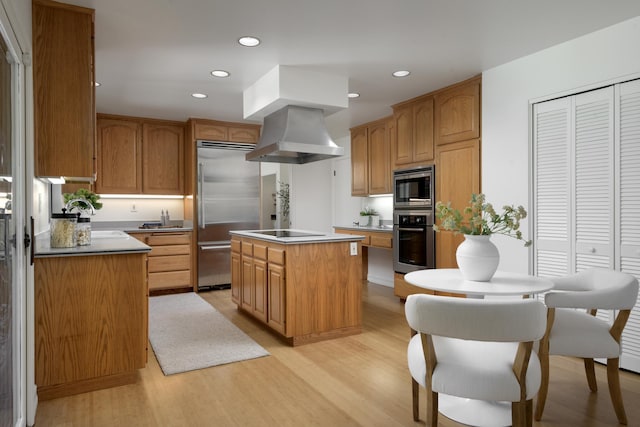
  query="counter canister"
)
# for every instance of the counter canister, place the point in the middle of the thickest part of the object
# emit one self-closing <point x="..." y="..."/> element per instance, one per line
<point x="83" y="231"/>
<point x="63" y="229"/>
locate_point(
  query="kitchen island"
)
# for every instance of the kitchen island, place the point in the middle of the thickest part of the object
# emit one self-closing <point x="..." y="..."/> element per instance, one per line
<point x="91" y="314"/>
<point x="304" y="285"/>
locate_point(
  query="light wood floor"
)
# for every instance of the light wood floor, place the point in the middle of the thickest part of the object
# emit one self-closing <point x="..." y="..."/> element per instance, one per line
<point x="360" y="380"/>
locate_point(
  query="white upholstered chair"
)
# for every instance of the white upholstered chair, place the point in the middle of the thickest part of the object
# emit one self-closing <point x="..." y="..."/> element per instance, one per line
<point x="476" y="349"/>
<point x="579" y="333"/>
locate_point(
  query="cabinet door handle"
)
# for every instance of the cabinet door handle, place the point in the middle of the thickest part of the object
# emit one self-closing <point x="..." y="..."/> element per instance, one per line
<point x="420" y="230"/>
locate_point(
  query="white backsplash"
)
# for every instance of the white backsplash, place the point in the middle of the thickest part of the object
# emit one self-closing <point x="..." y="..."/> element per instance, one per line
<point x="143" y="210"/>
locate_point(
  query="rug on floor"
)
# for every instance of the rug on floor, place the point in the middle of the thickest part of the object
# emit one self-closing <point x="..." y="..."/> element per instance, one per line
<point x="187" y="333"/>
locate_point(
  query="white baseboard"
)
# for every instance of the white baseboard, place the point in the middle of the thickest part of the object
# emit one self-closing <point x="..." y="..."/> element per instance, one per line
<point x="380" y="280"/>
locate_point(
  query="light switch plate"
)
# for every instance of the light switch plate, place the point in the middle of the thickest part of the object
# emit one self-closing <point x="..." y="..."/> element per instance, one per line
<point x="354" y="248"/>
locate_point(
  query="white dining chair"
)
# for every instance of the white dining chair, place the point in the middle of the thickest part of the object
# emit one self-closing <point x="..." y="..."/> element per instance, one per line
<point x="578" y="333"/>
<point x="476" y="349"/>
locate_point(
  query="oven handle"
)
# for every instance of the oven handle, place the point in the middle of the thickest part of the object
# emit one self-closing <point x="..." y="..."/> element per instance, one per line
<point x="421" y="229"/>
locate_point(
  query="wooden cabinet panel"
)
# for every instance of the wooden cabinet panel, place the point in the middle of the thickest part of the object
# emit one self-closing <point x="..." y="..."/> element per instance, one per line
<point x="413" y="133"/>
<point x="162" y="159"/>
<point x="259" y="308"/>
<point x="244" y="134"/>
<point x="277" y="297"/>
<point x="403" y="148"/>
<point x="457" y="113"/>
<point x="457" y="177"/>
<point x="83" y="304"/>
<point x="236" y="273"/>
<point x="246" y="295"/>
<point x="359" y="162"/>
<point x="170" y="259"/>
<point x="169" y="263"/>
<point x="119" y="157"/>
<point x="210" y="132"/>
<point x="169" y="280"/>
<point x="64" y="103"/>
<point x="423" y="131"/>
<point x="379" y="159"/>
<point x="381" y="240"/>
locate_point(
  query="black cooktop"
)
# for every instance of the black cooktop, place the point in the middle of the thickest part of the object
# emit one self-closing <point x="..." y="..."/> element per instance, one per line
<point x="286" y="233"/>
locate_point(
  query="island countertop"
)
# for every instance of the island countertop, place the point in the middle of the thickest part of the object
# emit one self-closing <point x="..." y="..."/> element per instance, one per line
<point x="103" y="242"/>
<point x="300" y="236"/>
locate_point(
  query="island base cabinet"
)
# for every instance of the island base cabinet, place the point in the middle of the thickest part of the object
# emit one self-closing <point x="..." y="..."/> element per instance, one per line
<point x="313" y="290"/>
<point x="90" y="322"/>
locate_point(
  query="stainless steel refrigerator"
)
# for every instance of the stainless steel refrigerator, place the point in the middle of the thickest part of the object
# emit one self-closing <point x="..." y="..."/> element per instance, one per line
<point x="228" y="199"/>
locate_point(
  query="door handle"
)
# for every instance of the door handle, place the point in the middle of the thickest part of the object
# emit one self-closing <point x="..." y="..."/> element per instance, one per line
<point x="213" y="248"/>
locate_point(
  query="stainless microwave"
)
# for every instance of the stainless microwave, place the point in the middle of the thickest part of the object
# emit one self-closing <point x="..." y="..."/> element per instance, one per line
<point x="413" y="188"/>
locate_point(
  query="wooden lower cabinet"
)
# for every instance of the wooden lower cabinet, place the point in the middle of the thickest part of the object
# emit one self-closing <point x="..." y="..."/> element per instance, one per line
<point x="170" y="259"/>
<point x="373" y="239"/>
<point x="91" y="315"/>
<point x="305" y="292"/>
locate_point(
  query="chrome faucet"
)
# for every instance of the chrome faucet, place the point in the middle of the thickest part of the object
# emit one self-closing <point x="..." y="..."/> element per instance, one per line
<point x="88" y="205"/>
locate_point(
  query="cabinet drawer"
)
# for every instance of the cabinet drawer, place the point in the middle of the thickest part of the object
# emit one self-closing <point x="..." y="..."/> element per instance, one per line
<point x="247" y="248"/>
<point x="260" y="252"/>
<point x="235" y="246"/>
<point x="169" y="263"/>
<point x="169" y="280"/>
<point x="276" y="256"/>
<point x="170" y="250"/>
<point x="381" y="240"/>
<point x="168" y="239"/>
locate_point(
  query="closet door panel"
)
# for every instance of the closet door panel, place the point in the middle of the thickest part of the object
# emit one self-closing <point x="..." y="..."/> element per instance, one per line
<point x="594" y="198"/>
<point x="552" y="136"/>
<point x="629" y="210"/>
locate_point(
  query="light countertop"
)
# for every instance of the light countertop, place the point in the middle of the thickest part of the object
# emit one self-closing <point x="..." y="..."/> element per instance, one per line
<point x="103" y="242"/>
<point x="382" y="228"/>
<point x="318" y="236"/>
<point x="134" y="226"/>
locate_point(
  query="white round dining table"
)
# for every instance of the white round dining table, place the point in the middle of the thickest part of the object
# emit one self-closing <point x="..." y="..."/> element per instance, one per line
<point x="480" y="413"/>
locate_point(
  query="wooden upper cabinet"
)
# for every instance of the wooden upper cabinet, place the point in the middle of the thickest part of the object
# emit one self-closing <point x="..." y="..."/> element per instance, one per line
<point x="162" y="159"/>
<point x="457" y="113"/>
<point x="413" y="123"/>
<point x="63" y="84"/>
<point x="212" y="130"/>
<point x="119" y="157"/>
<point x="359" y="161"/>
<point x="379" y="158"/>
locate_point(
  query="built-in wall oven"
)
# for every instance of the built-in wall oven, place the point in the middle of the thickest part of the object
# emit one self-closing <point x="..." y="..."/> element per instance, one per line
<point x="413" y="216"/>
<point x="414" y="241"/>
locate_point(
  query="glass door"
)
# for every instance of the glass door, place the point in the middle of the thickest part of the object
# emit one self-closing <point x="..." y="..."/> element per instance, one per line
<point x="13" y="265"/>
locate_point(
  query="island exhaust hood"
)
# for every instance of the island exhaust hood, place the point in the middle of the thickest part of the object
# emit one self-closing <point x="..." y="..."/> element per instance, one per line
<point x="294" y="134"/>
<point x="293" y="102"/>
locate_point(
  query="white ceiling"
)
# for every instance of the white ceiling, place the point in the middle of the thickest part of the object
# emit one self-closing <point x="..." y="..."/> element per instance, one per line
<point x="152" y="54"/>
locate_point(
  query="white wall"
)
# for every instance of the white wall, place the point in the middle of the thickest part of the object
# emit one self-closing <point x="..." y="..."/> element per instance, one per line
<point x="593" y="60"/>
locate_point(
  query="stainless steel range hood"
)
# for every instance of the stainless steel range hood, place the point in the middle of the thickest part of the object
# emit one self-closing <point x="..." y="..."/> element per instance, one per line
<point x="294" y="134"/>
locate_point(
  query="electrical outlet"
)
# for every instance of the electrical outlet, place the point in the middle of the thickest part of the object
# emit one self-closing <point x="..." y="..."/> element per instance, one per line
<point x="133" y="207"/>
<point x="354" y="248"/>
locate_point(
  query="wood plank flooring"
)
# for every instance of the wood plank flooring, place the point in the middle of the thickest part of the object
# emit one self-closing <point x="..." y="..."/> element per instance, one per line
<point x="361" y="380"/>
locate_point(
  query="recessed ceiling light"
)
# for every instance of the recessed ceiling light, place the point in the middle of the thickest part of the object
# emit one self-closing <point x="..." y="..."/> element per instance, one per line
<point x="220" y="73"/>
<point x="96" y="84"/>
<point x="249" y="41"/>
<point x="199" y="95"/>
<point x="353" y="95"/>
<point x="401" y="73"/>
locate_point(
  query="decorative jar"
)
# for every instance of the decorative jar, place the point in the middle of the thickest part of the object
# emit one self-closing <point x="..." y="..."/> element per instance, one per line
<point x="477" y="257"/>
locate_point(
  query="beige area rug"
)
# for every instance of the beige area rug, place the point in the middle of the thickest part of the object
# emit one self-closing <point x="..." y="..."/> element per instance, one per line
<point x="187" y="333"/>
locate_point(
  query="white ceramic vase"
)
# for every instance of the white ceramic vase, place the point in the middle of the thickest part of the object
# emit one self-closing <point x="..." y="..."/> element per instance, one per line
<point x="365" y="220"/>
<point x="478" y="258"/>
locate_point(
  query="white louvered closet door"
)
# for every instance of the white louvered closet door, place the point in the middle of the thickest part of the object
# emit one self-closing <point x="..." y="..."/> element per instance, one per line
<point x="552" y="178"/>
<point x="628" y="167"/>
<point x="594" y="196"/>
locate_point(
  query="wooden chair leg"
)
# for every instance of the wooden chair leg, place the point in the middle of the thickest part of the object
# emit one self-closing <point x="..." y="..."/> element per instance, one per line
<point x="529" y="414"/>
<point x="432" y="409"/>
<point x="544" y="385"/>
<point x="613" y="378"/>
<point x="518" y="414"/>
<point x="590" y="370"/>
<point x="415" y="395"/>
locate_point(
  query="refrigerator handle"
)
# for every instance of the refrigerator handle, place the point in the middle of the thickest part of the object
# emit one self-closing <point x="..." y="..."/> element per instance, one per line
<point x="201" y="219"/>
